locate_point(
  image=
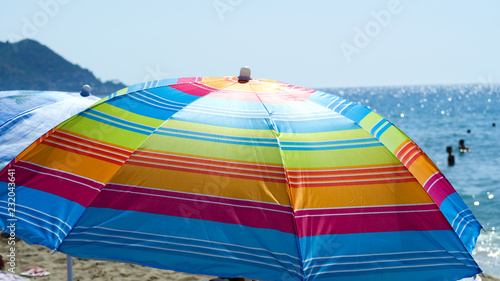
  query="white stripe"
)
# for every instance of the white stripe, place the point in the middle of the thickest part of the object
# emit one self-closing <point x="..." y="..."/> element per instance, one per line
<point x="380" y="128"/>
<point x="85" y="145"/>
<point x="340" y="112"/>
<point x="166" y="249"/>
<point x="364" y="207"/>
<point x="327" y="145"/>
<point x="309" y="119"/>
<point x="334" y="109"/>
<point x="408" y="143"/>
<point x="211" y="165"/>
<point x="425" y="183"/>
<point x="334" y="100"/>
<point x="366" y="213"/>
<point x="403" y="156"/>
<point x="456" y="217"/>
<point x="251" y="141"/>
<point x="344" y="169"/>
<point x="225" y="110"/>
<point x="221" y="114"/>
<point x="378" y="254"/>
<point x="155" y="105"/>
<point x="184" y="245"/>
<point x="203" y="106"/>
<point x="382" y="268"/>
<point x="38" y="172"/>
<point x="89" y="140"/>
<point x="377" y="261"/>
<point x="196" y="159"/>
<point x="28" y="215"/>
<point x="81" y="150"/>
<point x="382" y="180"/>
<point x="43" y="213"/>
<point x="61" y="172"/>
<point x="414" y="155"/>
<point x="165" y="102"/>
<point x="432" y="185"/>
<point x="353" y="174"/>
<point x="40" y="226"/>
<point x="122" y="124"/>
<point x="458" y="226"/>
<point x="199" y="201"/>
<point x="204" y="195"/>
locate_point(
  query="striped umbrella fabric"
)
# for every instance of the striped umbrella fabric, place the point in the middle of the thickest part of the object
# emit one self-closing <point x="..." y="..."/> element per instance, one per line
<point x="27" y="115"/>
<point x="254" y="178"/>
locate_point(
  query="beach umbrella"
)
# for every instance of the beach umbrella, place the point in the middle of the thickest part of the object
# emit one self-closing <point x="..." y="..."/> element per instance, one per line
<point x="26" y="115"/>
<point x="233" y="176"/>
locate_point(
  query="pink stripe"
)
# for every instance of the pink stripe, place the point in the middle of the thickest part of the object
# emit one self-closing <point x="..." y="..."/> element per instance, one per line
<point x="365" y="223"/>
<point x="439" y="189"/>
<point x="57" y="183"/>
<point x="365" y="209"/>
<point x="199" y="207"/>
<point x="194" y="89"/>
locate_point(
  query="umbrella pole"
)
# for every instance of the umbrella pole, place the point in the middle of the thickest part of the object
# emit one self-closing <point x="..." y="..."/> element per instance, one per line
<point x="69" y="266"/>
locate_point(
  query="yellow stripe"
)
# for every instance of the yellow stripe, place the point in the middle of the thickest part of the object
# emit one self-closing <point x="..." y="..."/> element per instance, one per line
<point x="359" y="195"/>
<point x="71" y="162"/>
<point x="203" y="184"/>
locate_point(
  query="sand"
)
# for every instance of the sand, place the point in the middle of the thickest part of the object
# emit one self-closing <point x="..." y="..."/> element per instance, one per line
<point x="93" y="270"/>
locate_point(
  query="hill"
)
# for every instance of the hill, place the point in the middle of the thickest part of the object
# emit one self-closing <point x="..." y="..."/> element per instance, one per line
<point x="29" y="65"/>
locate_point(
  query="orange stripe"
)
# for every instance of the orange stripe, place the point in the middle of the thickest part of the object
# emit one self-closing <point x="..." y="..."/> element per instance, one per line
<point x="344" y="171"/>
<point x="194" y="165"/>
<point x="349" y="183"/>
<point x="351" y="177"/>
<point x="400" y="152"/>
<point x="80" y="146"/>
<point x="216" y="161"/>
<point x="207" y="172"/>
<point x="92" y="155"/>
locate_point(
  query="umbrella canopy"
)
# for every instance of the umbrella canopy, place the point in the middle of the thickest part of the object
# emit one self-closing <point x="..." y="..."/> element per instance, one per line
<point x="27" y="115"/>
<point x="241" y="177"/>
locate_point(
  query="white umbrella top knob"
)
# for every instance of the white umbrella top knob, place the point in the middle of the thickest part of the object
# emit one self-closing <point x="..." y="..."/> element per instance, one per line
<point x="245" y="74"/>
<point x="85" y="91"/>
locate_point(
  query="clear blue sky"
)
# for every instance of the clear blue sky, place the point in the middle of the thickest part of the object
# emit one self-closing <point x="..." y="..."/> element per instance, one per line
<point x="306" y="43"/>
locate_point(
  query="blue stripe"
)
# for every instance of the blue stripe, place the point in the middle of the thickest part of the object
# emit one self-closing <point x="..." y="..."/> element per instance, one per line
<point x="123" y="121"/>
<point x="328" y="142"/>
<point x="469" y="228"/>
<point x="36" y="224"/>
<point x="331" y="147"/>
<point x="115" y="124"/>
<point x="218" y="140"/>
<point x="383" y="129"/>
<point x="161" y="129"/>
<point x="187" y="245"/>
<point x="377" y="125"/>
<point x="357" y="256"/>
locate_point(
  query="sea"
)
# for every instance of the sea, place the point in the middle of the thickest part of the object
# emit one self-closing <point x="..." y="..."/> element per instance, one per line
<point x="438" y="116"/>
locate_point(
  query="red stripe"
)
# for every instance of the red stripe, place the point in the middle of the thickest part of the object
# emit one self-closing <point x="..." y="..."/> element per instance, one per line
<point x="365" y="223"/>
<point x="407" y="145"/>
<point x="81" y="146"/>
<point x="215" y="173"/>
<point x="417" y="155"/>
<point x="198" y="209"/>
<point x="58" y="183"/>
<point x="335" y="183"/>
<point x="210" y="161"/>
<point x="408" y="155"/>
<point x="96" y="156"/>
<point x="214" y="168"/>
<point x="342" y="171"/>
<point x="82" y="139"/>
<point x="349" y="177"/>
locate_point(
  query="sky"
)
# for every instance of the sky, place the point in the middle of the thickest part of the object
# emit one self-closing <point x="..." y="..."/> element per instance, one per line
<point x="314" y="44"/>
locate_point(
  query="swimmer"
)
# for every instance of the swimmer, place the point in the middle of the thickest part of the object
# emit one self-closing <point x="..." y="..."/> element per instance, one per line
<point x="462" y="147"/>
<point x="451" y="157"/>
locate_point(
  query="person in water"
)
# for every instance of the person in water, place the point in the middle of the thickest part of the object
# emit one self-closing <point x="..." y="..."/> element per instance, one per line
<point x="462" y="147"/>
<point x="451" y="157"/>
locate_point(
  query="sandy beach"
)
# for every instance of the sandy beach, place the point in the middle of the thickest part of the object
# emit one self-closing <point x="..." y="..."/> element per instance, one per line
<point x="94" y="270"/>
